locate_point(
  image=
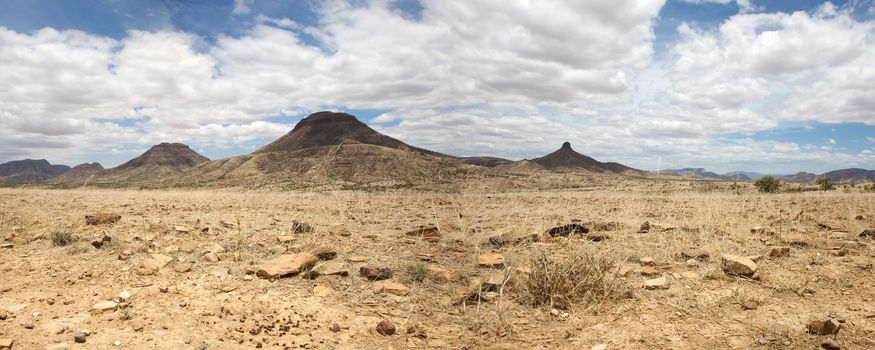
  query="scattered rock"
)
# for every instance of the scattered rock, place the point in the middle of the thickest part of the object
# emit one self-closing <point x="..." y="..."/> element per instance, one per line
<point x="795" y="240"/>
<point x="327" y="268"/>
<point x="426" y="233"/>
<point x="599" y="347"/>
<point x="3" y="315"/>
<point x="301" y="227"/>
<point x="385" y="328"/>
<point x="777" y="252"/>
<point x="183" y="267"/>
<point x="650" y="272"/>
<point x="181" y="229"/>
<point x="860" y="217"/>
<point x="334" y="327"/>
<point x="124" y="295"/>
<point x="6" y="344"/>
<point x="490" y="259"/>
<point x="325" y="253"/>
<point x="102" y="218"/>
<point x="284" y="265"/>
<point x="211" y="257"/>
<point x="749" y="305"/>
<point x="339" y="230"/>
<point x="285" y="239"/>
<point x="425" y="256"/>
<point x="228" y="223"/>
<point x="831" y="225"/>
<point x="830" y="344"/>
<point x="391" y="288"/>
<point x="690" y="275"/>
<point x="824" y="327"/>
<point x="869" y="232"/>
<point x="647" y="261"/>
<point x="656" y="283"/>
<point x="322" y="290"/>
<point x="7" y="246"/>
<point x="375" y="273"/>
<point x="106" y="305"/>
<point x="566" y="230"/>
<point x="79" y="337"/>
<point x="697" y="254"/>
<point x="156" y="261"/>
<point x="739" y="266"/>
<point x="645" y="227"/>
<point x="98" y="243"/>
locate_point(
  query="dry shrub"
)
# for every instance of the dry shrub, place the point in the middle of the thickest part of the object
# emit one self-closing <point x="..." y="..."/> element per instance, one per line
<point x="562" y="281"/>
<point x="61" y="238"/>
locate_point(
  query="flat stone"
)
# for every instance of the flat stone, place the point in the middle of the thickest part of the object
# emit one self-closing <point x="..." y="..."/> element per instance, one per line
<point x="650" y="271"/>
<point x="102" y="218"/>
<point x="182" y="267"/>
<point x="327" y="268"/>
<point x="7" y="246"/>
<point x="157" y="261"/>
<point x="647" y="261"/>
<point x="656" y="283"/>
<point x="777" y="252"/>
<point x="391" y="288"/>
<point x="5" y="344"/>
<point x="322" y="290"/>
<point x="106" y="305"/>
<point x="285" y="239"/>
<point x="490" y="259"/>
<point x="869" y="232"/>
<point x="426" y="233"/>
<point x="284" y="265"/>
<point x="181" y="229"/>
<point x="690" y="275"/>
<point x="325" y="253"/>
<point x="739" y="266"/>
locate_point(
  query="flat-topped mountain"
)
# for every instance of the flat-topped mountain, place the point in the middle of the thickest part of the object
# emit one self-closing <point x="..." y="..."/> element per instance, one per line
<point x="29" y="171"/>
<point x="323" y="129"/>
<point x="566" y="158"/>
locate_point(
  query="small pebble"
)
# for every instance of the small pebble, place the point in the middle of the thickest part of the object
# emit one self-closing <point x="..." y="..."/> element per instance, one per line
<point x="79" y="337"/>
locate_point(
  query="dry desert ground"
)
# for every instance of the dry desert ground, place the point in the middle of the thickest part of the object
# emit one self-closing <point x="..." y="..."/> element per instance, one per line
<point x="228" y="269"/>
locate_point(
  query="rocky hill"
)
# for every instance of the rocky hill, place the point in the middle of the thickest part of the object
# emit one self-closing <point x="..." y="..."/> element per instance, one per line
<point x="567" y="159"/>
<point x="29" y="171"/>
<point x="324" y="148"/>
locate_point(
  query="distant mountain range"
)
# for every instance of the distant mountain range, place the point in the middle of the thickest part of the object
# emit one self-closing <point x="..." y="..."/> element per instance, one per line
<point x="842" y="175"/>
<point x="328" y="147"/>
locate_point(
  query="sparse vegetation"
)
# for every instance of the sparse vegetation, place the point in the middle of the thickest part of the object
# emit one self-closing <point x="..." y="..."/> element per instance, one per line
<point x="561" y="281"/>
<point x="416" y="273"/>
<point x="767" y="184"/>
<point x="61" y="238"/>
<point x="824" y="183"/>
<point x="79" y="248"/>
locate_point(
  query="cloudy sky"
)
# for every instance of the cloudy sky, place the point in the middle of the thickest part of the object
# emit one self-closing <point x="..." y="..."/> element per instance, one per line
<point x="769" y="86"/>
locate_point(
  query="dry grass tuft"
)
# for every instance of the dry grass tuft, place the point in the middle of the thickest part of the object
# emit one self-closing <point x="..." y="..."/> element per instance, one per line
<point x="61" y="238"/>
<point x="583" y="279"/>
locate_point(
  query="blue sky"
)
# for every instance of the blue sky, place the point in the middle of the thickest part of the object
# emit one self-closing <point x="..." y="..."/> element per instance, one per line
<point x="768" y="86"/>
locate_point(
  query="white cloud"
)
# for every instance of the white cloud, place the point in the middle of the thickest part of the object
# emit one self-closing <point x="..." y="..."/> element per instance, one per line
<point x="744" y="6"/>
<point x="242" y="7"/>
<point x="870" y="139"/>
<point x="451" y="80"/>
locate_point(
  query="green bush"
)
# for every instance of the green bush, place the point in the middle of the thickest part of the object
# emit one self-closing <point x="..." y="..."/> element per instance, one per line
<point x="825" y="183"/>
<point x="768" y="184"/>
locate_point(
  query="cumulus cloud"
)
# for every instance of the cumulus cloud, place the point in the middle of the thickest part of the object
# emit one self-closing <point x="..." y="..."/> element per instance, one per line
<point x="450" y="80"/>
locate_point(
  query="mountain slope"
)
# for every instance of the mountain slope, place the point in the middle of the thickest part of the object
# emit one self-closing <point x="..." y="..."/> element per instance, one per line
<point x="566" y="158"/>
<point x="29" y="171"/>
<point x="328" y="148"/>
<point x="80" y="174"/>
<point x="852" y="174"/>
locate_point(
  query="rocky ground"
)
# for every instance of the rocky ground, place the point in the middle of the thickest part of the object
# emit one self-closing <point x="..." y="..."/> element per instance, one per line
<point x="226" y="270"/>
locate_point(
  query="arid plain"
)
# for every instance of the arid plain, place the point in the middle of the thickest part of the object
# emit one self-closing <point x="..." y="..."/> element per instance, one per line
<point x="573" y="267"/>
